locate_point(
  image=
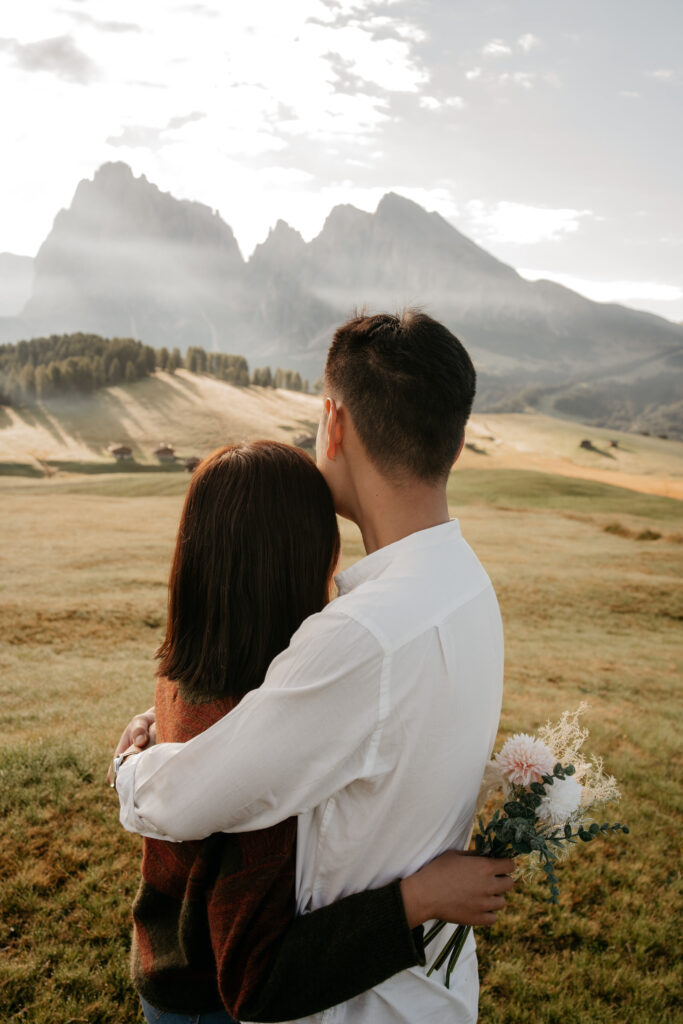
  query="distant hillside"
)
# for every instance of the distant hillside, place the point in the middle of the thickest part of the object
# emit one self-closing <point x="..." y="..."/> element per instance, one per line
<point x="193" y="412"/>
<point x="128" y="260"/>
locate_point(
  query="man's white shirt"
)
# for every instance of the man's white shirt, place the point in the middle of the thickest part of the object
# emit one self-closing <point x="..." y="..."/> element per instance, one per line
<point x="374" y="727"/>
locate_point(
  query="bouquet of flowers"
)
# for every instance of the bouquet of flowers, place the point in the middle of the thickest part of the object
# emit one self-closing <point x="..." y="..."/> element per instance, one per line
<point x="550" y="792"/>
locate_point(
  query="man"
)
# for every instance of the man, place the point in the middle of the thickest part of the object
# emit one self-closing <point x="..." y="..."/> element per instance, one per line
<point x="374" y="726"/>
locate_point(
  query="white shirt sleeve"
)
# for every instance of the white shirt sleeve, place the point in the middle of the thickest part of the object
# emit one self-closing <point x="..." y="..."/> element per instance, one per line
<point x="303" y="735"/>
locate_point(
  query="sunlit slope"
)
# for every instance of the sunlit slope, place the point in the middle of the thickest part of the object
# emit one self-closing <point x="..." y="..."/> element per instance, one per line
<point x="193" y="413"/>
<point x="651" y="465"/>
<point x="196" y="413"/>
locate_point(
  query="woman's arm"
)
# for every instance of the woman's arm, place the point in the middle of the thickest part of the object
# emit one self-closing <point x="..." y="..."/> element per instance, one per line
<point x="333" y="954"/>
<point x="352" y="945"/>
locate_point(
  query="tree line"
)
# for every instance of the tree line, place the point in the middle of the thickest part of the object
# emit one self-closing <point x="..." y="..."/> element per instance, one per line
<point x="63" y="364"/>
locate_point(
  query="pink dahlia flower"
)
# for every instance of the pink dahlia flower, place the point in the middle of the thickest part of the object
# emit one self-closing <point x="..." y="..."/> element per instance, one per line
<point x="524" y="760"/>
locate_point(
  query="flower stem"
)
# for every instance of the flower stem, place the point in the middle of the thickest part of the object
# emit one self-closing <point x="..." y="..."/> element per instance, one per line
<point x="451" y="951"/>
<point x="462" y="933"/>
<point x="433" y="932"/>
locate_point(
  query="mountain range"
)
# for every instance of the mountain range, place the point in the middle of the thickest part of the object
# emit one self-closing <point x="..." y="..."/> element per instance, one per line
<point x="129" y="260"/>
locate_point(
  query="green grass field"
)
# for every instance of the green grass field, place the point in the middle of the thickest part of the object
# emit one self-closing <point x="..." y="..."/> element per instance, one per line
<point x="591" y="613"/>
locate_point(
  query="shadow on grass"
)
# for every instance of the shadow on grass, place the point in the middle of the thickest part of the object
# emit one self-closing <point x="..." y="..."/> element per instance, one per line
<point x="34" y="416"/>
<point x="529" y="489"/>
<point x="123" y="468"/>
<point x="182" y="382"/>
<point x="19" y="469"/>
<point x="73" y="417"/>
<point x="588" y="446"/>
<point x="101" y="418"/>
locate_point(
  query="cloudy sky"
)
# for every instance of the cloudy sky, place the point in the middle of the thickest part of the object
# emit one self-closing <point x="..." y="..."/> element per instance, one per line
<point x="547" y="130"/>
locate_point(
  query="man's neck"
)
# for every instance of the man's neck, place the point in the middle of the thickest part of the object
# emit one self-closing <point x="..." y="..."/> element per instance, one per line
<point x="386" y="512"/>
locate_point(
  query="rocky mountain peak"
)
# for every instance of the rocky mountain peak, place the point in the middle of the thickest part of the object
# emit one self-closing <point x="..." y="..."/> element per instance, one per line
<point x="126" y="259"/>
<point x="344" y="218"/>
<point x="394" y="206"/>
<point x="283" y="244"/>
<point x="125" y="252"/>
<point x="118" y="205"/>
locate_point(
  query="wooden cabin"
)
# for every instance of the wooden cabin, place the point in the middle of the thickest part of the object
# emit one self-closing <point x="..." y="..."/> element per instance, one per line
<point x="165" y="452"/>
<point x="121" y="452"/>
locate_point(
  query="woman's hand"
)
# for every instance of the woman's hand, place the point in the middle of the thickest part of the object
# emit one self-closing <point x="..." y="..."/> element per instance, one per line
<point x="460" y="887"/>
<point x="138" y="734"/>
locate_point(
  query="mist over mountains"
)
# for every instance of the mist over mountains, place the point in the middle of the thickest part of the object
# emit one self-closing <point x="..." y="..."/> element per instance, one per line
<point x="16" y="282"/>
<point x="129" y="260"/>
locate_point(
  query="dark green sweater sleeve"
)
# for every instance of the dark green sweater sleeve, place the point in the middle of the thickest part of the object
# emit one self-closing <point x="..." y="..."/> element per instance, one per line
<point x="334" y="953"/>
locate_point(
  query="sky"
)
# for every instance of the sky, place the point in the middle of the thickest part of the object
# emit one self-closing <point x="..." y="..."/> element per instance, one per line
<point x="548" y="131"/>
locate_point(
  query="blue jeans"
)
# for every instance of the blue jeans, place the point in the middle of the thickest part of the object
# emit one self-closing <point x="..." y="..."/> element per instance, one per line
<point x="152" y="1016"/>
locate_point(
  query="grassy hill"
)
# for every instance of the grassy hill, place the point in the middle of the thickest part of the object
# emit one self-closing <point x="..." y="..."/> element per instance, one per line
<point x="583" y="546"/>
<point x="591" y="612"/>
<point x="196" y="413"/>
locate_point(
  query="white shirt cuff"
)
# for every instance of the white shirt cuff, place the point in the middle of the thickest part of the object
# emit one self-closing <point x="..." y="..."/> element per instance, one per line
<point x="128" y="816"/>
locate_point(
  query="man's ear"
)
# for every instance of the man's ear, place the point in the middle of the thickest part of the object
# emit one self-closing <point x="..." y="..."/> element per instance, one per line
<point x="335" y="430"/>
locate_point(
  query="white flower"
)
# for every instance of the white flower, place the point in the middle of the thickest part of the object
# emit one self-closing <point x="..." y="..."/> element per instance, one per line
<point x="560" y="801"/>
<point x="524" y="760"/>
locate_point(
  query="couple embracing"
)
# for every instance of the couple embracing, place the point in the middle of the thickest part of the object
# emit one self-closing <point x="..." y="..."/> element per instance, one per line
<point x="318" y="761"/>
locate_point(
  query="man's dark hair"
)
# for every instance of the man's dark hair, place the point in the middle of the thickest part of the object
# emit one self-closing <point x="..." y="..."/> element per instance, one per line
<point x="257" y="545"/>
<point x="409" y="385"/>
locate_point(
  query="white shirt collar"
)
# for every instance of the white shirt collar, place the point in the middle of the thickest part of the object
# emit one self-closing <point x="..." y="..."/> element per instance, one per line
<point x="373" y="566"/>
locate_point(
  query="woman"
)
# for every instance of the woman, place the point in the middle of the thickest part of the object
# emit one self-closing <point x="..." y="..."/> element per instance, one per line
<point x="214" y="920"/>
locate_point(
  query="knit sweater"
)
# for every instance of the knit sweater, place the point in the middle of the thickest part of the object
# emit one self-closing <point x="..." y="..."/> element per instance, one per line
<point x="206" y="913"/>
<point x="214" y="922"/>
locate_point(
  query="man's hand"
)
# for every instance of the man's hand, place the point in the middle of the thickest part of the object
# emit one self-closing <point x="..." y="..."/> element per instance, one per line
<point x="459" y="887"/>
<point x="138" y="734"/>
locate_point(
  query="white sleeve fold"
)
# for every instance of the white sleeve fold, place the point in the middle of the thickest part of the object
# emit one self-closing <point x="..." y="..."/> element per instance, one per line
<point x="288" y="746"/>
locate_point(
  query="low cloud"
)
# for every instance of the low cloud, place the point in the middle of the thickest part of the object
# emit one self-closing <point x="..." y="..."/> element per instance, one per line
<point x="521" y="224"/>
<point x="148" y="85"/>
<point x="432" y="103"/>
<point x="179" y="122"/>
<point x="662" y="74"/>
<point x="345" y="79"/>
<point x="102" y="26"/>
<point x="202" y="9"/>
<point x="137" y="136"/>
<point x="496" y="48"/>
<point x="528" y="41"/>
<point x="524" y="79"/>
<point x="141" y="136"/>
<point x="57" y="56"/>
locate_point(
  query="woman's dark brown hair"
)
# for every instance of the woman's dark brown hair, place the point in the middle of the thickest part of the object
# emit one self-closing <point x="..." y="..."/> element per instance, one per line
<point x="257" y="544"/>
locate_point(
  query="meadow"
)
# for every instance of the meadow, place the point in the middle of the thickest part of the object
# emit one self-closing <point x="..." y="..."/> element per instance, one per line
<point x="588" y="576"/>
